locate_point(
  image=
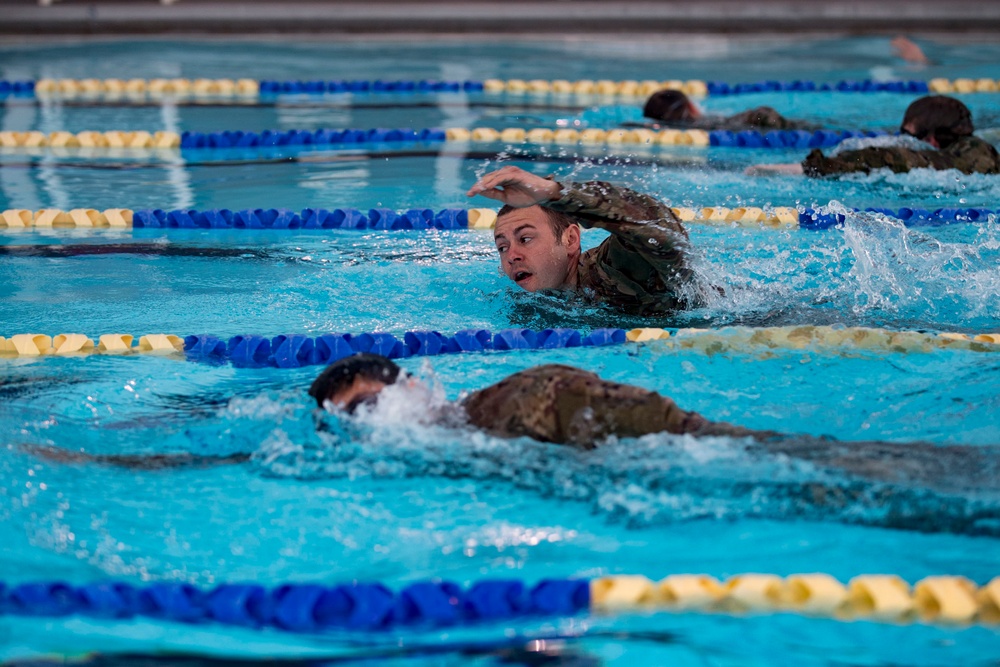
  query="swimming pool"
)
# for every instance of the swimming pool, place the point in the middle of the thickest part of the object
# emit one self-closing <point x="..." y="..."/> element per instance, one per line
<point x="401" y="501"/>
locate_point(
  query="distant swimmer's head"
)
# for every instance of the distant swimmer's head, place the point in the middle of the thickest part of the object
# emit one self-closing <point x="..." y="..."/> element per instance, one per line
<point x="938" y="120"/>
<point x="539" y="248"/>
<point x="670" y="106"/>
<point x="354" y="381"/>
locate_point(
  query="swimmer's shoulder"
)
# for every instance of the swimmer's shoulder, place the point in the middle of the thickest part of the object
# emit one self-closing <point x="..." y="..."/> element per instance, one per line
<point x="545" y="371"/>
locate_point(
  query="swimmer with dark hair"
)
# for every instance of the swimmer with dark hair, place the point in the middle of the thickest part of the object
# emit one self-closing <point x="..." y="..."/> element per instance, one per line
<point x="672" y="108"/>
<point x="548" y="403"/>
<point x="943" y="125"/>
<point x="565" y="405"/>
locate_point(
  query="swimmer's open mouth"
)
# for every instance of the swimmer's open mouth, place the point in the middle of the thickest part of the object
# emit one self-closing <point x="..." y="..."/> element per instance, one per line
<point x="521" y="276"/>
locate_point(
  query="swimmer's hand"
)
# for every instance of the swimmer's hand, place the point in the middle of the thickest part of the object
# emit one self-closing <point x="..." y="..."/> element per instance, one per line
<point x="516" y="187"/>
<point x="909" y="51"/>
<point x="793" y="169"/>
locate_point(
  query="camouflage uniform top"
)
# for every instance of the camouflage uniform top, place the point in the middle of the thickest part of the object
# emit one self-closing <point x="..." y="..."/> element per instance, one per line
<point x="759" y="118"/>
<point x="641" y="267"/>
<point x="970" y="155"/>
<point x="566" y="405"/>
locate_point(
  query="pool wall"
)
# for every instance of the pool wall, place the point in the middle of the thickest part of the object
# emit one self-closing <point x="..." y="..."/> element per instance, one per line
<point x="717" y="16"/>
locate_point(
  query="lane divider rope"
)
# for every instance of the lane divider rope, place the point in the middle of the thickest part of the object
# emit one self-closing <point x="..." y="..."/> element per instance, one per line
<point x="513" y="135"/>
<point x="203" y="87"/>
<point x="90" y="139"/>
<point x="477" y="218"/>
<point x="942" y="600"/>
<point x="294" y="351"/>
<point x="310" y="218"/>
<point x="654" y="138"/>
<point x="946" y="600"/>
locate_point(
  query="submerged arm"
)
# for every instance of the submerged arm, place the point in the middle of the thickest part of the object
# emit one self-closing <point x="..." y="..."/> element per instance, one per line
<point x="135" y="461"/>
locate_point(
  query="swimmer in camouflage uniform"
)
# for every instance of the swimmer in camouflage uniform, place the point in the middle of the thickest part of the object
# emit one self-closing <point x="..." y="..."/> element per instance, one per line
<point x="943" y="123"/>
<point x="565" y="405"/>
<point x="642" y="268"/>
<point x="672" y="108"/>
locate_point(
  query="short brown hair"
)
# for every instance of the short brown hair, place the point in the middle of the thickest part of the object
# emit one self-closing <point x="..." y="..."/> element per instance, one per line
<point x="945" y="118"/>
<point x="670" y="106"/>
<point x="340" y="374"/>
<point x="559" y="222"/>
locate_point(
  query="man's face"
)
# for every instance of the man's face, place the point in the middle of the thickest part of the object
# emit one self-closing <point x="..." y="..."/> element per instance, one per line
<point x="530" y="253"/>
<point x="362" y="391"/>
<point x="911" y="129"/>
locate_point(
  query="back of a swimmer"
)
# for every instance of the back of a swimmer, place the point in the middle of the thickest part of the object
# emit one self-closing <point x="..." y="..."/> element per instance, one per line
<point x="672" y="108"/>
<point x="566" y="405"/>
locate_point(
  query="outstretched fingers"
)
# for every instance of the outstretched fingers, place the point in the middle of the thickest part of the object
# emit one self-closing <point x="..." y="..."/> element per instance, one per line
<point x="515" y="187"/>
<point x="491" y="183"/>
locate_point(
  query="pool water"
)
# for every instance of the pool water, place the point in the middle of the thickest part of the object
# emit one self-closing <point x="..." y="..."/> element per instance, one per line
<point x="391" y="498"/>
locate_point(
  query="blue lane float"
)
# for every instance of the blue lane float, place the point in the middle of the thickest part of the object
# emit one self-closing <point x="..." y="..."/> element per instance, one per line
<point x="911" y="217"/>
<point x="719" y="88"/>
<point x="269" y="87"/>
<point x="786" y="138"/>
<point x="296" y="350"/>
<point x="309" y="218"/>
<point x="303" y="607"/>
<point x="320" y="137"/>
<point x="17" y="88"/>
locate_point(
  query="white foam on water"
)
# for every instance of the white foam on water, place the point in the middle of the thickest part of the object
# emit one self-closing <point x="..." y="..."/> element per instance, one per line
<point x="884" y="141"/>
<point x="653" y="479"/>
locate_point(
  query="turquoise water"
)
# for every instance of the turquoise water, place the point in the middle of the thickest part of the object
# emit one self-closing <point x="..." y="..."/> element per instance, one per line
<point x="392" y="499"/>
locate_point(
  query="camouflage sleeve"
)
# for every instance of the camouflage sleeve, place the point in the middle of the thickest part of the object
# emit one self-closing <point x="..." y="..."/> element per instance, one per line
<point x="562" y="404"/>
<point x="762" y="118"/>
<point x="972" y="155"/>
<point x="898" y="159"/>
<point x="647" y="235"/>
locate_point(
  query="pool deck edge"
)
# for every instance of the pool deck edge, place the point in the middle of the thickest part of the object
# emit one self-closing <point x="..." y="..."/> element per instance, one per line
<point x="484" y="16"/>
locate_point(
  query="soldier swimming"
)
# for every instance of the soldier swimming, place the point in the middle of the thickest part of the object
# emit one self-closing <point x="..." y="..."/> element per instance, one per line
<point x="672" y="108"/>
<point x="560" y="404"/>
<point x="643" y="268"/>
<point x="566" y="405"/>
<point x="943" y="125"/>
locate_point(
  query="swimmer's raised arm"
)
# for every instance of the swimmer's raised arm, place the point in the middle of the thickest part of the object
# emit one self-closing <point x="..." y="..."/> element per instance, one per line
<point x="909" y="51"/>
<point x="516" y="187"/>
<point x="649" y="247"/>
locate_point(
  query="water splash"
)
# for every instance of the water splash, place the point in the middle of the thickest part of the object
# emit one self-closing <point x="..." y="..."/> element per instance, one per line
<point x="885" y="141"/>
<point x="871" y="271"/>
<point x="655" y="479"/>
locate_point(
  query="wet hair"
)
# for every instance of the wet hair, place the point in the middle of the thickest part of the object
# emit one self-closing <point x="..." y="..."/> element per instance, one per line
<point x="944" y="118"/>
<point x="668" y="105"/>
<point x="340" y="374"/>
<point x="558" y="221"/>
